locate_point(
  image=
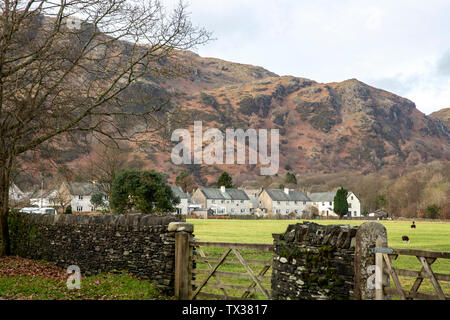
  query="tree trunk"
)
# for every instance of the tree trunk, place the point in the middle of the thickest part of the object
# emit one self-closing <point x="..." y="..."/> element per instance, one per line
<point x="4" y="210"/>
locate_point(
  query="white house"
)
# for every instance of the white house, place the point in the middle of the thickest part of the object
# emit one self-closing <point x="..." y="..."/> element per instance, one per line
<point x="253" y="195"/>
<point x="80" y="194"/>
<point x="222" y="200"/>
<point x="324" y="202"/>
<point x="354" y="205"/>
<point x="15" y="194"/>
<point x="277" y="201"/>
<point x="182" y="207"/>
<point x="44" y="198"/>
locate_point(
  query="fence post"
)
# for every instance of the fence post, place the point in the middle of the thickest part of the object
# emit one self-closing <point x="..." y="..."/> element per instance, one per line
<point x="183" y="259"/>
<point x="364" y="263"/>
<point x="380" y="277"/>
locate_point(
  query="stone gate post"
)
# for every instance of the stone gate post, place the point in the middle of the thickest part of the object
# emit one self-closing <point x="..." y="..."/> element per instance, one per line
<point x="364" y="266"/>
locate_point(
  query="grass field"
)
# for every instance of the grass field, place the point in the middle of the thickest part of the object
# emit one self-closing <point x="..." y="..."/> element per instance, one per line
<point x="25" y="279"/>
<point x="427" y="236"/>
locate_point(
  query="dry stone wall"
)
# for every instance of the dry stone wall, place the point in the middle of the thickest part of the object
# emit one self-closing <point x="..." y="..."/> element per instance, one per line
<point x="141" y="244"/>
<point x="314" y="262"/>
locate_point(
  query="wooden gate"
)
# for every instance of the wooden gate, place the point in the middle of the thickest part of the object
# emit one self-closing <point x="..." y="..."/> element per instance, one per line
<point x="384" y="271"/>
<point x="214" y="255"/>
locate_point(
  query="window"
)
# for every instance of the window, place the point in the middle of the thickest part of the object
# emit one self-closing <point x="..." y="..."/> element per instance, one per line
<point x="278" y="202"/>
<point x="232" y="210"/>
<point x="295" y="202"/>
<point x="79" y="208"/>
<point x="350" y="205"/>
<point x="351" y="197"/>
<point x="80" y="197"/>
<point x="323" y="203"/>
<point x="304" y="202"/>
<point x="242" y="201"/>
<point x="331" y="203"/>
<point x="222" y="201"/>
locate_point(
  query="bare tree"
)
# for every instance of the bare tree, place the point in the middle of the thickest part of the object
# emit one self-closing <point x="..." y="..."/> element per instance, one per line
<point x="68" y="67"/>
<point x="61" y="200"/>
<point x="106" y="162"/>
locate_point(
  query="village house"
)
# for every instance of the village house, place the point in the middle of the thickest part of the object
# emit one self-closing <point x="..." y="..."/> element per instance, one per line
<point x="44" y="198"/>
<point x="222" y="200"/>
<point x="253" y="195"/>
<point x="324" y="202"/>
<point x="15" y="194"/>
<point x="182" y="207"/>
<point x="354" y="205"/>
<point x="79" y="194"/>
<point x="277" y="201"/>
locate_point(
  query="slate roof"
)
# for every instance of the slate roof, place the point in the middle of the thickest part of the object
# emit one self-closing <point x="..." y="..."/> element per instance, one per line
<point x="83" y="188"/>
<point x="280" y="195"/>
<point x="322" y="196"/>
<point x="229" y="194"/>
<point x="178" y="192"/>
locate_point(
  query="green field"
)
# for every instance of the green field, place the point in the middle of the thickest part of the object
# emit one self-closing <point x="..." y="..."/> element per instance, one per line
<point x="427" y="236"/>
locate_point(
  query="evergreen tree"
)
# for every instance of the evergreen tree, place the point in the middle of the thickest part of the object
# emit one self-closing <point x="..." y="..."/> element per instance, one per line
<point x="290" y="178"/>
<point x="340" y="202"/>
<point x="225" y="180"/>
<point x="142" y="191"/>
<point x="97" y="200"/>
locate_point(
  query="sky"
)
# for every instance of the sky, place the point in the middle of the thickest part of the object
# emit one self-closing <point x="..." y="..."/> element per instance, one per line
<point x="401" y="46"/>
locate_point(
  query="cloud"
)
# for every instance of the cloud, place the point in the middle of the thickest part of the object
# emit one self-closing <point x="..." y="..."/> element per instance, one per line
<point x="398" y="45"/>
<point x="374" y="18"/>
<point x="443" y="65"/>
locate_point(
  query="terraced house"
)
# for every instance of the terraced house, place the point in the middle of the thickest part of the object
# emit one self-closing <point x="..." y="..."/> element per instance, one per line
<point x="284" y="202"/>
<point x="222" y="200"/>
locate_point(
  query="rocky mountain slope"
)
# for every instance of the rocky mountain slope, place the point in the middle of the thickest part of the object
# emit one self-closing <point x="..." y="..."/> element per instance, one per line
<point x="324" y="127"/>
<point x="443" y="115"/>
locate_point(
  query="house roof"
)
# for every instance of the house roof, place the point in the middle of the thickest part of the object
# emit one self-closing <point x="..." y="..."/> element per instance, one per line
<point x="44" y="194"/>
<point x="322" y="196"/>
<point x="178" y="192"/>
<point x="252" y="193"/>
<point x="83" y="188"/>
<point x="14" y="189"/>
<point x="229" y="194"/>
<point x="293" y="195"/>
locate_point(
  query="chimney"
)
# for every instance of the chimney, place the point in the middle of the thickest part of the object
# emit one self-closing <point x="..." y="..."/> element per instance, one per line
<point x="286" y="190"/>
<point x="222" y="188"/>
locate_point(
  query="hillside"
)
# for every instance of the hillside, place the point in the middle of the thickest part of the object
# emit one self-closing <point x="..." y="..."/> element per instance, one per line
<point x="324" y="127"/>
<point x="443" y="115"/>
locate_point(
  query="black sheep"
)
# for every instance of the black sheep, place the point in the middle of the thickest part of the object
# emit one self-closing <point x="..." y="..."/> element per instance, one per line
<point x="405" y="239"/>
<point x="413" y="226"/>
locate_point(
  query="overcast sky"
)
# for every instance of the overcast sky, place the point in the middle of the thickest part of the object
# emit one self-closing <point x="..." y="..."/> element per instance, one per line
<point x="402" y="46"/>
